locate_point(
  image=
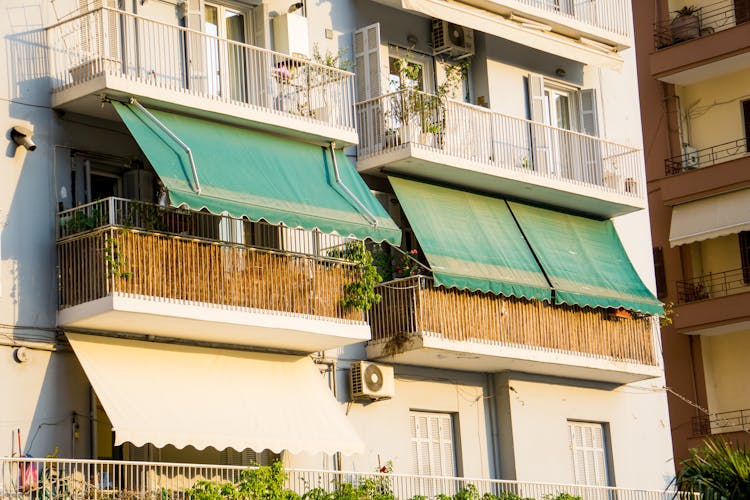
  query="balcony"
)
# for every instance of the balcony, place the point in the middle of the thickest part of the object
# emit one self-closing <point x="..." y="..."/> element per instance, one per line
<point x="709" y="43"/>
<point x="127" y="266"/>
<point x="713" y="304"/>
<point x="423" y="136"/>
<point x="722" y="423"/>
<point x="113" y="53"/>
<point x="418" y="324"/>
<point x="120" y="479"/>
<point x="706" y="157"/>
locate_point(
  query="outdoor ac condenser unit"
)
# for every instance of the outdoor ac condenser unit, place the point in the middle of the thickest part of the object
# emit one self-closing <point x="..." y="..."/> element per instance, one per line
<point x="452" y="39"/>
<point x="370" y="381"/>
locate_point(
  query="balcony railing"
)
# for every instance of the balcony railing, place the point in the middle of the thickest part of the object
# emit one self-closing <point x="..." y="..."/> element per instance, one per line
<point x="706" y="157"/>
<point x="22" y="478"/>
<point x="610" y="15"/>
<point x="705" y="21"/>
<point x="144" y="250"/>
<point x="117" y="43"/>
<point x="414" y="306"/>
<point x="509" y="144"/>
<point x="714" y="285"/>
<point x="718" y="423"/>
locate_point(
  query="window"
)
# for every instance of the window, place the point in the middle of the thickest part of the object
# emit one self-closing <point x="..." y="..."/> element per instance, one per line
<point x="418" y="75"/>
<point x="660" y="273"/>
<point x="746" y="120"/>
<point x="225" y="23"/>
<point x="432" y="448"/>
<point x="744" y="238"/>
<point x="588" y="453"/>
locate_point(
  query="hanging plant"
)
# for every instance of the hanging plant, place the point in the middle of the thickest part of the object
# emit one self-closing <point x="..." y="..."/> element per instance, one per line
<point x="360" y="294"/>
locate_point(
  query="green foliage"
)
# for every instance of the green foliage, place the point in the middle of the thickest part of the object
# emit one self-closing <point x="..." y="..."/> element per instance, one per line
<point x="360" y="294"/>
<point x="338" y="60"/>
<point x="262" y="483"/>
<point x="80" y="221"/>
<point x="562" y="496"/>
<point x="718" y="471"/>
<point x="115" y="263"/>
<point x="666" y="320"/>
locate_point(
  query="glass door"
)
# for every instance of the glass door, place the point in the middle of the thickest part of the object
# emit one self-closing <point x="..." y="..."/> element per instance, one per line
<point x="225" y="60"/>
<point x="558" y="113"/>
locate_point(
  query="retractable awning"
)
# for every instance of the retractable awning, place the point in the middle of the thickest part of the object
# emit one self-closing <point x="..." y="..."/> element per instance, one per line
<point x="584" y="260"/>
<point x="257" y="175"/>
<point x="183" y="395"/>
<point x="471" y="241"/>
<point x="720" y="215"/>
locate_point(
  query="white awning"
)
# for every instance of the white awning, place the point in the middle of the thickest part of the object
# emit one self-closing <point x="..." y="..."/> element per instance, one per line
<point x="183" y="395"/>
<point x="708" y="218"/>
<point x="497" y="25"/>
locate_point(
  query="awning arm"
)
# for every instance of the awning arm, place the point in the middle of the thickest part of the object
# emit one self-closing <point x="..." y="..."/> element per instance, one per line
<point x="175" y="138"/>
<point x="366" y="212"/>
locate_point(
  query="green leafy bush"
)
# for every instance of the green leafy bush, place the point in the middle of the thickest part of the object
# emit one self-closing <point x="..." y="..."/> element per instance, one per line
<point x="718" y="471"/>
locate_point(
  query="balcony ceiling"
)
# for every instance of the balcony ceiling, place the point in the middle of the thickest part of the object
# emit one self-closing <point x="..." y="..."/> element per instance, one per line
<point x="204" y="322"/>
<point x="431" y="351"/>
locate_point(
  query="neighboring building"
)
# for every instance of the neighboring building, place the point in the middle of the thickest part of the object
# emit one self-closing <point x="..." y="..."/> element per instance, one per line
<point x="694" y="76"/>
<point x="172" y="270"/>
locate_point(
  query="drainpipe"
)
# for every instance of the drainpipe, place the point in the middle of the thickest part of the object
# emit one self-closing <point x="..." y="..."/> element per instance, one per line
<point x="368" y="215"/>
<point x="175" y="138"/>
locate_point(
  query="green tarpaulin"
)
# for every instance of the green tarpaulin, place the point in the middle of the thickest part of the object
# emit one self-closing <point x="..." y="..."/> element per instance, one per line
<point x="584" y="260"/>
<point x="471" y="241"/>
<point x="257" y="175"/>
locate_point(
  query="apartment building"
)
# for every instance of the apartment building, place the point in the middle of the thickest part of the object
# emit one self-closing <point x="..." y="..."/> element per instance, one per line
<point x="694" y="76"/>
<point x="186" y="183"/>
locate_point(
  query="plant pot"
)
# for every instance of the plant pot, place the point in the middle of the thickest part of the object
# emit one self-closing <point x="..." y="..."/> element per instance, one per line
<point x="685" y="28"/>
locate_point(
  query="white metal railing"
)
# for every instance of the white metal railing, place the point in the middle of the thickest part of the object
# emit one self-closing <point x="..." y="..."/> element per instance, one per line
<point x="473" y="133"/>
<point x="118" y="43"/>
<point x="22" y="478"/>
<point x="610" y="15"/>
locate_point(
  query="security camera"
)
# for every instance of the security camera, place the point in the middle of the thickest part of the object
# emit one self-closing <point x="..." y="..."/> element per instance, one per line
<point x="22" y="137"/>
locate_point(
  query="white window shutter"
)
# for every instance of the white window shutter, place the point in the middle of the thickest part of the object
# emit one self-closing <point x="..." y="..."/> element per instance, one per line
<point x="195" y="48"/>
<point x="536" y="98"/>
<point x="588" y="453"/>
<point x="261" y="35"/>
<point x="587" y="112"/>
<point x="366" y="52"/>
<point x="432" y="444"/>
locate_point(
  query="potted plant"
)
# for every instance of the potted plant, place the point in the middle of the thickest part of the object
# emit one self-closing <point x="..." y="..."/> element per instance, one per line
<point x="686" y="25"/>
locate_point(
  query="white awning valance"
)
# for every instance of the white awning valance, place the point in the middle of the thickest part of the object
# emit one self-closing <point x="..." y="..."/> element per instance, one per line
<point x="712" y="217"/>
<point x="184" y="395"/>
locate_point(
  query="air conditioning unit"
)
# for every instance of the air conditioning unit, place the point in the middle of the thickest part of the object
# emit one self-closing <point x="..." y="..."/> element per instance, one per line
<point x="452" y="39"/>
<point x="690" y="159"/>
<point x="370" y="381"/>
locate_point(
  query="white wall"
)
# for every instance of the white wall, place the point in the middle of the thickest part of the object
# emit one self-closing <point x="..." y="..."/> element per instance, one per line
<point x="540" y="408"/>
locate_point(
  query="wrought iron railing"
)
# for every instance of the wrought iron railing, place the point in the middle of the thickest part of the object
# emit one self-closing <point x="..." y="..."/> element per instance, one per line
<point x="706" y="20"/>
<point x="706" y="157"/>
<point x="718" y="423"/>
<point x="414" y="306"/>
<point x="714" y="285"/>
<point x="118" y="43"/>
<point x="58" y="479"/>
<point x="505" y="143"/>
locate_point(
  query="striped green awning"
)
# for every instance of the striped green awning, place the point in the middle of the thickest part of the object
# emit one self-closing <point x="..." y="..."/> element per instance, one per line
<point x="471" y="241"/>
<point x="257" y="175"/>
<point x="584" y="260"/>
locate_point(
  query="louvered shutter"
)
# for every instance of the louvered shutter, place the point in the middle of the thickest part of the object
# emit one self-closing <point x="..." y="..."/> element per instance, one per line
<point x="433" y="449"/>
<point x="587" y="110"/>
<point x="195" y="47"/>
<point x="367" y="63"/>
<point x="588" y="453"/>
<point x="590" y="149"/>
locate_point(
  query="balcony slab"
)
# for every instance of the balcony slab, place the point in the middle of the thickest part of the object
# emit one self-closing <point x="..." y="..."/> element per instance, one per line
<point x="707" y="181"/>
<point x="716" y="316"/>
<point x="86" y="98"/>
<point x="431" y="350"/>
<point x="416" y="161"/>
<point x="204" y="322"/>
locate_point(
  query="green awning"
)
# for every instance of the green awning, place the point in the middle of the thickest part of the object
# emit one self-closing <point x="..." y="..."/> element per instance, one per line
<point x="257" y="175"/>
<point x="471" y="241"/>
<point x="584" y="260"/>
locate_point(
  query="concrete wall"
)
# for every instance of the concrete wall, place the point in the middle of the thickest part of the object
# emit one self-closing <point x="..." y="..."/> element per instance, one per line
<point x="725" y="362"/>
<point x="712" y="109"/>
<point x="539" y="409"/>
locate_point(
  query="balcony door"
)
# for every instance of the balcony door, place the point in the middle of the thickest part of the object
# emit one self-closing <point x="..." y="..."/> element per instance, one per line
<point x="559" y="113"/>
<point x="226" y="61"/>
